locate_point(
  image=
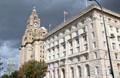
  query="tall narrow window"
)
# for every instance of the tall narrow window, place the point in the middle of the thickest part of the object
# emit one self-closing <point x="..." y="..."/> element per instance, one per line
<point x="118" y="37"/>
<point x="109" y="69"/>
<point x="58" y="55"/>
<point x="95" y="54"/>
<point x="113" y="46"/>
<point x="78" y="49"/>
<point x="86" y="56"/>
<point x="70" y="43"/>
<point x="79" y="71"/>
<point x="77" y="41"/>
<point x="86" y="47"/>
<point x="78" y="58"/>
<point x="117" y="30"/>
<point x="84" y="29"/>
<point x="64" y="53"/>
<point x="111" y="28"/>
<point x="96" y="70"/>
<point x="57" y="73"/>
<point x="118" y="65"/>
<point x="91" y="25"/>
<point x="64" y="46"/>
<point x="76" y="33"/>
<point x="70" y="36"/>
<point x="116" y="55"/>
<point x="53" y="56"/>
<point x="85" y="37"/>
<point x="93" y="35"/>
<point x="94" y="44"/>
<point x="71" y="51"/>
<point x="83" y="21"/>
<point x="72" y="72"/>
<point x="88" y="70"/>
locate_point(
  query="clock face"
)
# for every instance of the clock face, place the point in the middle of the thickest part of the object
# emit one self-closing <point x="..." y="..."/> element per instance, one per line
<point x="35" y="24"/>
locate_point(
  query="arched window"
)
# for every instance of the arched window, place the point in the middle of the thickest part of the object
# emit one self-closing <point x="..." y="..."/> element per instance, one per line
<point x="88" y="70"/>
<point x="118" y="65"/>
<point x="58" y="73"/>
<point x="79" y="71"/>
<point x="72" y="72"/>
<point x="96" y="70"/>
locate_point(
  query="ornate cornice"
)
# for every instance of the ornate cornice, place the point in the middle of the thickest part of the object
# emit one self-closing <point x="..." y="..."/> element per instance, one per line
<point x="83" y="12"/>
<point x="30" y="43"/>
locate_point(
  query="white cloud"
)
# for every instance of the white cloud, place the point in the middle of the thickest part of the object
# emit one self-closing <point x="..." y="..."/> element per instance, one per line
<point x="7" y="49"/>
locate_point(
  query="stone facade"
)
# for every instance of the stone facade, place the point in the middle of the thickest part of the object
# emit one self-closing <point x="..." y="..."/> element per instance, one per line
<point x="77" y="48"/>
<point x="32" y="41"/>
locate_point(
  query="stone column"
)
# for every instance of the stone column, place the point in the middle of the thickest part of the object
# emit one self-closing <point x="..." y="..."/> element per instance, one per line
<point x="28" y="52"/>
<point x="37" y="51"/>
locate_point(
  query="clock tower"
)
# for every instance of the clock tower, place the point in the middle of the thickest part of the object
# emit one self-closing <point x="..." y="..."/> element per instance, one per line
<point x="32" y="43"/>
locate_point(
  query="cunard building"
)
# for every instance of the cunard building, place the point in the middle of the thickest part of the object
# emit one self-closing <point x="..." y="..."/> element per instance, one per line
<point x="76" y="48"/>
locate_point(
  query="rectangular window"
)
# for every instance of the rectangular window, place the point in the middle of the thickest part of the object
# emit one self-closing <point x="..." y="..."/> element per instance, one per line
<point x="76" y="25"/>
<point x="70" y="43"/>
<point x="64" y="39"/>
<point x="83" y="21"/>
<point x="80" y="72"/>
<point x="77" y="41"/>
<point x="58" y="55"/>
<point x="91" y="25"/>
<point x="78" y="58"/>
<point x="109" y="69"/>
<point x="76" y="33"/>
<point x="118" y="37"/>
<point x="95" y="54"/>
<point x="71" y="51"/>
<point x="86" y="47"/>
<point x="109" y="19"/>
<point x="93" y="35"/>
<point x="116" y="55"/>
<point x="78" y="49"/>
<point x="84" y="29"/>
<point x="94" y="44"/>
<point x="71" y="59"/>
<point x="72" y="72"/>
<point x="111" y="28"/>
<point x="86" y="57"/>
<point x="97" y="70"/>
<point x="70" y="36"/>
<point x="113" y="46"/>
<point x="53" y="56"/>
<point x="64" y="46"/>
<point x="64" y="53"/>
<point x="117" y="30"/>
<point x="85" y="37"/>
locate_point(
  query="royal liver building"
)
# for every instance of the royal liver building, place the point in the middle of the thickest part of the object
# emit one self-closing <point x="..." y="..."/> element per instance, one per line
<point x="76" y="48"/>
